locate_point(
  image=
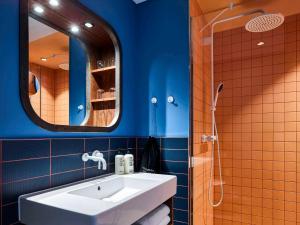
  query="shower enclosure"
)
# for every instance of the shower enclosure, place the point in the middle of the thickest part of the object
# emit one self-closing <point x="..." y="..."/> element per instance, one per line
<point x="252" y="51"/>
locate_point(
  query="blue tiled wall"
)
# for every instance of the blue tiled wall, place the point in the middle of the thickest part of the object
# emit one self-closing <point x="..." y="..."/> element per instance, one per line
<point x="174" y="160"/>
<point x="33" y="165"/>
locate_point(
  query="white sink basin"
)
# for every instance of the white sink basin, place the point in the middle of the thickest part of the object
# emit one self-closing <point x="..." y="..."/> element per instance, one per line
<point x="111" y="200"/>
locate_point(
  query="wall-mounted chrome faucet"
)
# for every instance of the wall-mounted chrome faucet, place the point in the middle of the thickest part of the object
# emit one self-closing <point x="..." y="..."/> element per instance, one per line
<point x="208" y="138"/>
<point x="97" y="156"/>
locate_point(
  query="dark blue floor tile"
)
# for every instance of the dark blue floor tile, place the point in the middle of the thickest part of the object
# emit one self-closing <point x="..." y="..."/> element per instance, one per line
<point x="182" y="192"/>
<point x="25" y="169"/>
<point x="174" y="155"/>
<point x="118" y="143"/>
<point x="180" y="215"/>
<point x="66" y="178"/>
<point x="174" y="143"/>
<point x="66" y="163"/>
<point x="181" y="203"/>
<point x="10" y="214"/>
<point x="174" y="167"/>
<point x="94" y="172"/>
<point x="12" y="191"/>
<point x="101" y="144"/>
<point x="25" y="149"/>
<point x="66" y="146"/>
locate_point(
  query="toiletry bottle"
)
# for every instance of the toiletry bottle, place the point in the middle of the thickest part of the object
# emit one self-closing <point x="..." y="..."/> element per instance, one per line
<point x="129" y="167"/>
<point x="119" y="164"/>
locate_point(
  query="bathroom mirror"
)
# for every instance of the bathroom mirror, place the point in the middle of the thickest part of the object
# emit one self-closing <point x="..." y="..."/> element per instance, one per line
<point x="70" y="67"/>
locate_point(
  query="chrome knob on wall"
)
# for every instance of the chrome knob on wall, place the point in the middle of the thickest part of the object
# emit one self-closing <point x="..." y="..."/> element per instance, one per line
<point x="154" y="100"/>
<point x="80" y="107"/>
<point x="208" y="138"/>
<point x="171" y="99"/>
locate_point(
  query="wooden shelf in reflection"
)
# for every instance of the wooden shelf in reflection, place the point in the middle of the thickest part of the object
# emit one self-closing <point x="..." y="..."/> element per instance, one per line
<point x="104" y="70"/>
<point x="103" y="99"/>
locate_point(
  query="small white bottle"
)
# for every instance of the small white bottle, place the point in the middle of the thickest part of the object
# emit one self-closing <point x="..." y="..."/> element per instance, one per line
<point x="129" y="167"/>
<point x="119" y="164"/>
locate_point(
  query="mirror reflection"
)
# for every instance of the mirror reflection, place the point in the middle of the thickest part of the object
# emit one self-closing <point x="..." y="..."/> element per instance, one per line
<point x="49" y="66"/>
<point x="73" y="66"/>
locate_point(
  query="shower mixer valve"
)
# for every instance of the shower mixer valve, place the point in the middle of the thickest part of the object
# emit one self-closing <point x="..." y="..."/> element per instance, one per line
<point x="208" y="138"/>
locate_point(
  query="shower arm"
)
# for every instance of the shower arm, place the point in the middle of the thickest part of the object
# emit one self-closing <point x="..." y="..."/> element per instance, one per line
<point x="248" y="13"/>
<point x="213" y="23"/>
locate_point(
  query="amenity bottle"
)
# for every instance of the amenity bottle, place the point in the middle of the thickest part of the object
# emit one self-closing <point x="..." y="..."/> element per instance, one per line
<point x="119" y="164"/>
<point x="129" y="167"/>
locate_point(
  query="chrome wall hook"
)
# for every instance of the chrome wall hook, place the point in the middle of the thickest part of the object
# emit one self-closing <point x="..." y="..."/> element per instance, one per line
<point x="154" y="100"/>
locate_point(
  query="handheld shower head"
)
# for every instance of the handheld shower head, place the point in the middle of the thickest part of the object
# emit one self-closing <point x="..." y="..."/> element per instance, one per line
<point x="219" y="90"/>
<point x="220" y="87"/>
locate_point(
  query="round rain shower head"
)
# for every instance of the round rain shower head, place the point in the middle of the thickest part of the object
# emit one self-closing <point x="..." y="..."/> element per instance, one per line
<point x="265" y="22"/>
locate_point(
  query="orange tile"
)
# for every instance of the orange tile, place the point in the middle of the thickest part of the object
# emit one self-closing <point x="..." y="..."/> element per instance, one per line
<point x="260" y="125"/>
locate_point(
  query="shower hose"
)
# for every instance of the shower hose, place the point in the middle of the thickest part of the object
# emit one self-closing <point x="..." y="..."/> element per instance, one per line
<point x="210" y="198"/>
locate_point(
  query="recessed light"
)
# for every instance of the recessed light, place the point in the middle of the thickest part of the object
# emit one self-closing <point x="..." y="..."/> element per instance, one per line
<point x="44" y="59"/>
<point x="89" y="25"/>
<point x="74" y="29"/>
<point x="260" y="43"/>
<point x="54" y="2"/>
<point x="39" y="9"/>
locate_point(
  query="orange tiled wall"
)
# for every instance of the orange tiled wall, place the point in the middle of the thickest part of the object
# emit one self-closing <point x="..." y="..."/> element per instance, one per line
<point x="51" y="103"/>
<point x="258" y="118"/>
<point x="61" y="97"/>
<point x="202" y="213"/>
<point x="47" y="94"/>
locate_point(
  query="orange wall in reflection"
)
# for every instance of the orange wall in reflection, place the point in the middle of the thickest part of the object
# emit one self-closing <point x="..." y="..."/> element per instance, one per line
<point x="51" y="102"/>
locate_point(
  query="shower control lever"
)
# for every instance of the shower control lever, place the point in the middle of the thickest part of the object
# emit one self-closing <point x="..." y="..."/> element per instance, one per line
<point x="208" y="138"/>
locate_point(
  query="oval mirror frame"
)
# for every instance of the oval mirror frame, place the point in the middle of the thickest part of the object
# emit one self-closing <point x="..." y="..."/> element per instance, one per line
<point x="24" y="70"/>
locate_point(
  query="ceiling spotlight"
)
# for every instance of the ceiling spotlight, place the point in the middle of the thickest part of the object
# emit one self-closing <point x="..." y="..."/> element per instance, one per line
<point x="74" y="29"/>
<point x="260" y="43"/>
<point x="44" y="59"/>
<point x="89" y="25"/>
<point x="39" y="9"/>
<point x="54" y="3"/>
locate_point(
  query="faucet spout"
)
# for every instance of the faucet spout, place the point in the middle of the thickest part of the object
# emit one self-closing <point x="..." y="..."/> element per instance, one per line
<point x="103" y="162"/>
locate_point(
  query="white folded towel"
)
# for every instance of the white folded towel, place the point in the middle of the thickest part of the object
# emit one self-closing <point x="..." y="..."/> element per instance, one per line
<point x="165" y="221"/>
<point x="155" y="217"/>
